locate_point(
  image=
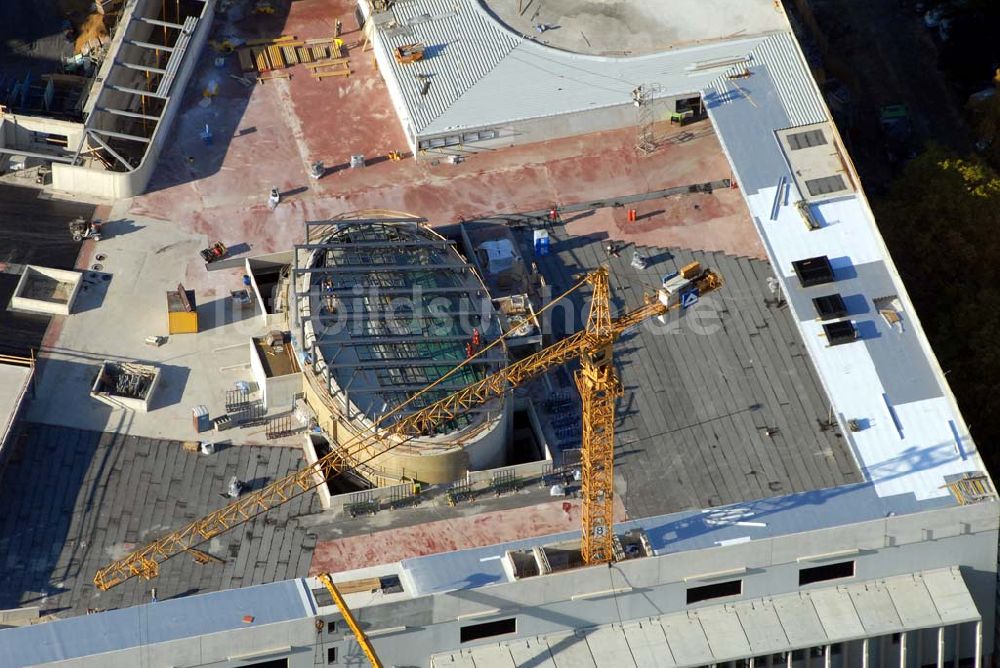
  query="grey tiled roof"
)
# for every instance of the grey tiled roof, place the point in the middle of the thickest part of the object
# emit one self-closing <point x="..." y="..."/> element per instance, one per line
<point x="691" y="424"/>
<point x="73" y="500"/>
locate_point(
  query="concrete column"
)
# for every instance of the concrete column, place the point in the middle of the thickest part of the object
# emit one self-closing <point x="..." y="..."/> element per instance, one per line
<point x="940" y="647"/>
<point x="788" y="660"/>
<point x="902" y="650"/>
<point x="958" y="645"/>
<point x="827" y="653"/>
<point x="978" y="661"/>
<point x="864" y="653"/>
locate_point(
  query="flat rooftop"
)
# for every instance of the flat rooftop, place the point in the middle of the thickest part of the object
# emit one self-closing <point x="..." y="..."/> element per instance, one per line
<point x="33" y="230"/>
<point x="727" y="407"/>
<point x="881" y="376"/>
<point x="484" y="76"/>
<point x="722" y="405"/>
<point x="74" y="500"/>
<point x="636" y="27"/>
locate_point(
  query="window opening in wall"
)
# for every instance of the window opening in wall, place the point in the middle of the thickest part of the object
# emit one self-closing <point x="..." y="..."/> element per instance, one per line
<point x="274" y="663"/>
<point x="717" y="590"/>
<point x="331" y="627"/>
<point x="488" y="629"/>
<point x="331" y="655"/>
<point x="841" y="569"/>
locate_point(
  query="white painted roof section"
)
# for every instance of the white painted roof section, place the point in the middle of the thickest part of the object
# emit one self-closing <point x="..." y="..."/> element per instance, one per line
<point x="792" y="79"/>
<point x="906" y="446"/>
<point x="719" y="633"/>
<point x="913" y="438"/>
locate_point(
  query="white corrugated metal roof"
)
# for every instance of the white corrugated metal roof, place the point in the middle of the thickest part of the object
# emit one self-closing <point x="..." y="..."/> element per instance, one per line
<point x="462" y="42"/>
<point x="483" y="75"/>
<point x="793" y="81"/>
<point x="718" y="633"/>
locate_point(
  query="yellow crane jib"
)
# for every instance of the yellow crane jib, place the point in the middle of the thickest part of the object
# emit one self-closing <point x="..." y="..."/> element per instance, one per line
<point x="359" y="634"/>
<point x="598" y="384"/>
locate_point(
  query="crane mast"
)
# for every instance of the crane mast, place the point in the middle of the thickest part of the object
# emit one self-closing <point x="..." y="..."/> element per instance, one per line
<point x="599" y="387"/>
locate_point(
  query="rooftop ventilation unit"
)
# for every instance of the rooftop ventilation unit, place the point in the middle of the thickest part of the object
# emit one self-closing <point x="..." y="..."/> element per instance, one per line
<point x="840" y="332"/>
<point x="813" y="271"/>
<point x="830" y="307"/>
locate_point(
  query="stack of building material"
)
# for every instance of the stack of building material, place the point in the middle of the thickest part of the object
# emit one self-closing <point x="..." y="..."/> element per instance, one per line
<point x="267" y="55"/>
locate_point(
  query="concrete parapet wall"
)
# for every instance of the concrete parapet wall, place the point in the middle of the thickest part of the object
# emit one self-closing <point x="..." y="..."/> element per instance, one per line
<point x="120" y="185"/>
<point x="375" y="494"/>
<point x="63" y="284"/>
<point x="520" y="471"/>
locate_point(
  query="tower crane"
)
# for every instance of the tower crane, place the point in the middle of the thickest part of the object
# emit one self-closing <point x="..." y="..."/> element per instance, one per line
<point x="359" y="633"/>
<point x="597" y="381"/>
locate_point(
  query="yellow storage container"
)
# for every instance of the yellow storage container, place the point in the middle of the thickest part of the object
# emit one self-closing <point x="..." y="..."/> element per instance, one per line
<point x="182" y="312"/>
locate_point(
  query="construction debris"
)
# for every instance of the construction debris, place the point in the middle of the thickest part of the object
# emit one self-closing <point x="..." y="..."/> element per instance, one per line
<point x="409" y="53"/>
<point x="127" y="385"/>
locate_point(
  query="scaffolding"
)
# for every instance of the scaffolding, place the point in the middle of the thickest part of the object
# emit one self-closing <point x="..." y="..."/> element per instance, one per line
<point x="385" y="307"/>
<point x="644" y="97"/>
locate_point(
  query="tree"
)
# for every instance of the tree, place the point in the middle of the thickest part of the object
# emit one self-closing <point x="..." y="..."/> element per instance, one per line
<point x="941" y="221"/>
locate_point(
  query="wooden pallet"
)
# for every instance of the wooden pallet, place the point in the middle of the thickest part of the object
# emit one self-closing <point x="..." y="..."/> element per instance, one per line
<point x="357" y="586"/>
<point x="267" y="55"/>
<point x="327" y="62"/>
<point x="336" y="73"/>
